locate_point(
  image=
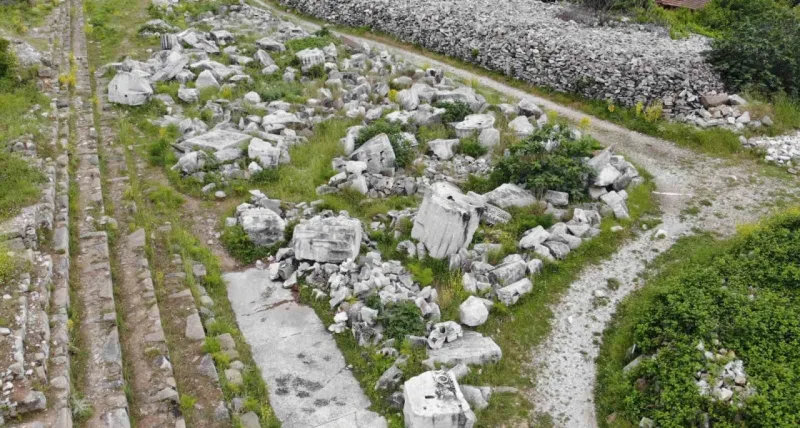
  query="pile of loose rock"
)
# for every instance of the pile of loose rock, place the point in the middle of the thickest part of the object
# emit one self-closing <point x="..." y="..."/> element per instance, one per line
<point x="783" y="150"/>
<point x="726" y="384"/>
<point x="719" y="110"/>
<point x="533" y="41"/>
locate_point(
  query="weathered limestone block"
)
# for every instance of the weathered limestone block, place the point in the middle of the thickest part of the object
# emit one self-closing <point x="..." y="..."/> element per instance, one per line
<point x="129" y="89"/>
<point x="264" y="226"/>
<point x="446" y="220"/>
<point x="434" y="400"/>
<point x="327" y="240"/>
<point x="510" y="195"/>
<point x="471" y="348"/>
<point x="377" y="153"/>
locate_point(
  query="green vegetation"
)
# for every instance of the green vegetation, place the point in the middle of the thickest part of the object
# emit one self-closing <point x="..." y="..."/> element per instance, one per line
<point x="20" y="184"/>
<point x="759" y="50"/>
<point x="561" y="168"/>
<point x="402" y="319"/>
<point x="740" y="295"/>
<point x="20" y="15"/>
<point x="9" y="265"/>
<point x="456" y="111"/>
<point x="113" y="26"/>
<point x="20" y="179"/>
<point x="471" y="147"/>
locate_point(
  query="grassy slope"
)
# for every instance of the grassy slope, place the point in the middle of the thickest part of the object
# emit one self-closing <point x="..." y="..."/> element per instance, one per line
<point x="18" y="180"/>
<point x="615" y="397"/>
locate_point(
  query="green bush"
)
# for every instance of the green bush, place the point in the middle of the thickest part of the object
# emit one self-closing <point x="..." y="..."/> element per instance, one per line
<point x="402" y="319"/>
<point x="471" y="147"/>
<point x="7" y="60"/>
<point x="562" y="169"/>
<point x="242" y="248"/>
<point x="760" y="50"/>
<point x="456" y="111"/>
<point x="740" y="295"/>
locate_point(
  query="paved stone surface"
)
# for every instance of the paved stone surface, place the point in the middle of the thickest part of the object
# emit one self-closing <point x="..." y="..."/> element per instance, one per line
<point x="308" y="383"/>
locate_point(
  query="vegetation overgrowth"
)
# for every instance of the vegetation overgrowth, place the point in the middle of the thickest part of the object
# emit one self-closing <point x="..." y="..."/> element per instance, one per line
<point x="739" y="295"/>
<point x="18" y="96"/>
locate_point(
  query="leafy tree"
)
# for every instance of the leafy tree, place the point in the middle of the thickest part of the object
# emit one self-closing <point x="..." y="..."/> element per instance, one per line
<point x="760" y="50"/>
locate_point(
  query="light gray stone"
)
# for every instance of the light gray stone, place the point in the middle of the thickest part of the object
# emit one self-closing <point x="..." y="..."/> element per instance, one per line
<point x="129" y="89"/>
<point x="443" y="149"/>
<point x="434" y="400"/>
<point x="327" y="240"/>
<point x="473" y="312"/>
<point x="471" y="349"/>
<point x="510" y="195"/>
<point x="447" y="220"/>
<point x="510" y="294"/>
<point x="377" y="153"/>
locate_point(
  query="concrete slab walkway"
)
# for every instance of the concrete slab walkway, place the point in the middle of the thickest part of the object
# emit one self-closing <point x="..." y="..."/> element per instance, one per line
<point x="309" y="384"/>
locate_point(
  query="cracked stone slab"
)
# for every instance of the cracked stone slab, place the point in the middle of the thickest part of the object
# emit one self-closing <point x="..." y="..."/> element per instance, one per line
<point x="308" y="382"/>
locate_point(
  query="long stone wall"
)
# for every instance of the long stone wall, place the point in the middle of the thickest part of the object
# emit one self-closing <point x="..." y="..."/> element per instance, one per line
<point x="532" y="41"/>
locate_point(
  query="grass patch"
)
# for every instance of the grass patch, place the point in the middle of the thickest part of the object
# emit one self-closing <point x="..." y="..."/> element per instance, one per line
<point x="20" y="184"/>
<point x="20" y="16"/>
<point x="113" y="26"/>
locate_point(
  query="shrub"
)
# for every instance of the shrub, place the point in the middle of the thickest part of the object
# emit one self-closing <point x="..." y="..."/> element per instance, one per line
<point x="402" y="319"/>
<point x="740" y="295"/>
<point x="760" y="50"/>
<point x="456" y="111"/>
<point x="561" y="169"/>
<point x="472" y="147"/>
<point x="242" y="248"/>
<point x="7" y="60"/>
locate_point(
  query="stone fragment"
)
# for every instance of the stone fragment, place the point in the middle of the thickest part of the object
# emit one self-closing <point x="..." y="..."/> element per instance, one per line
<point x="434" y="400"/>
<point x="129" y="89"/>
<point x="510" y="195"/>
<point x="471" y="349"/>
<point x="474" y="124"/>
<point x="327" y="240"/>
<point x="446" y="220"/>
<point x="473" y="312"/>
<point x="263" y="226"/>
<point x="510" y="294"/>
<point x="377" y="153"/>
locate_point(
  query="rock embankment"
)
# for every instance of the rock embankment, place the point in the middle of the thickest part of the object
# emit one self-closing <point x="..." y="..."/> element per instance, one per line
<point x="543" y="44"/>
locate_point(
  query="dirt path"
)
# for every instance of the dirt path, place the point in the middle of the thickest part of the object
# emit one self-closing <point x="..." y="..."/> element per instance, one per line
<point x="723" y="194"/>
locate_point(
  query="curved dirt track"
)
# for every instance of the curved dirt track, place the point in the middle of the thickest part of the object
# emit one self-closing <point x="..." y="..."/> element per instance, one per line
<point x="727" y="194"/>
